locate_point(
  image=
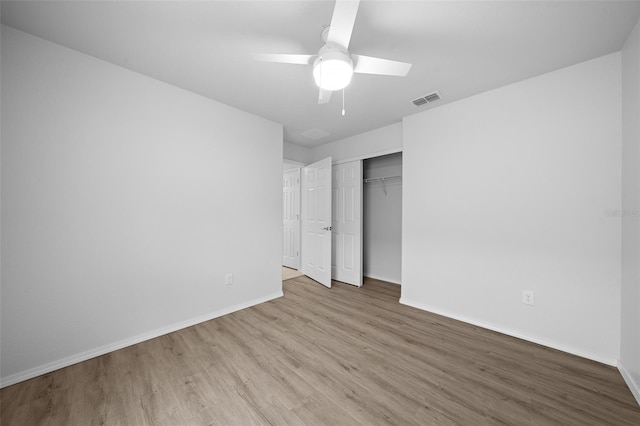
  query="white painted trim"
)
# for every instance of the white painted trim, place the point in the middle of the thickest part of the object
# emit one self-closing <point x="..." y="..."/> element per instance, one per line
<point x="633" y="386"/>
<point x="369" y="155"/>
<point x="568" y="349"/>
<point x="84" y="356"/>
<point x="383" y="279"/>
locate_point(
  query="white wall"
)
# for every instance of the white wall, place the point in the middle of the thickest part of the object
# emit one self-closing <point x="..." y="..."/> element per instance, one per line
<point x="506" y="191"/>
<point x="630" y="338"/>
<point x="297" y="153"/>
<point x="123" y="207"/>
<point x="384" y="140"/>
<point x="382" y="230"/>
<point x="289" y="165"/>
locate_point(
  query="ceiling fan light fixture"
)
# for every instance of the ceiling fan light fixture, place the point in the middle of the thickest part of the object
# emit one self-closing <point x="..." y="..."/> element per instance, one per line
<point x="332" y="69"/>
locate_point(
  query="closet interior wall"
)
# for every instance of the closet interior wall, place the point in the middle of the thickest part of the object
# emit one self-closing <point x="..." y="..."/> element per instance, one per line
<point x="382" y="216"/>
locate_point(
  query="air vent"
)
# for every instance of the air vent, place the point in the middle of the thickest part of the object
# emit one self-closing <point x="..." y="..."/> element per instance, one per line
<point x="315" y="134"/>
<point x="431" y="97"/>
<point x="419" y="101"/>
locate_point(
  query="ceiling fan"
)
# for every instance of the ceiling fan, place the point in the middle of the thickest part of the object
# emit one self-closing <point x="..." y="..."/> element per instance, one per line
<point x="333" y="65"/>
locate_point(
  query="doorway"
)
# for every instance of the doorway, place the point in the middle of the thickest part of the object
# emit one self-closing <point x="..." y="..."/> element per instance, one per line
<point x="382" y="216"/>
<point x="379" y="207"/>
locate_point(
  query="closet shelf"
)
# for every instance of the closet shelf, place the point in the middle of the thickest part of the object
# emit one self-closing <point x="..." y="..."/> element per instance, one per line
<point x="381" y="179"/>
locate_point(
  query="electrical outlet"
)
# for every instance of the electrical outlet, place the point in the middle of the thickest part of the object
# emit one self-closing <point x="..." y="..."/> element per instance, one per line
<point x="228" y="279"/>
<point x="528" y="297"/>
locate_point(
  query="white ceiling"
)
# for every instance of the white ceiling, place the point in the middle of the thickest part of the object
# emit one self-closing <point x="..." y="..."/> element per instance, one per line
<point x="459" y="48"/>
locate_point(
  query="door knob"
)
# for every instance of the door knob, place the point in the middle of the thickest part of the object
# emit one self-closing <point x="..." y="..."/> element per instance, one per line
<point x="328" y="228"/>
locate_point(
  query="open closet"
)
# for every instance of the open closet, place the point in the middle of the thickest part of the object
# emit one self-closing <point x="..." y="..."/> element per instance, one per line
<point x="382" y="217"/>
<point x="364" y="214"/>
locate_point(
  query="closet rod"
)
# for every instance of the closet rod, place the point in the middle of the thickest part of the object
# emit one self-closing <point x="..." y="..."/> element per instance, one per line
<point x="380" y="179"/>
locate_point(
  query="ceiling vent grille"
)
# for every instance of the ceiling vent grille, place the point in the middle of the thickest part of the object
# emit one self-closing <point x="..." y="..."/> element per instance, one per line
<point x="420" y="101"/>
<point x="315" y="134"/>
<point x="431" y="97"/>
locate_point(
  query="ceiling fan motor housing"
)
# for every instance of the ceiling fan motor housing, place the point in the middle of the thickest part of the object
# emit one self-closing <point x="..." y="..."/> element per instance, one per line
<point x="333" y="68"/>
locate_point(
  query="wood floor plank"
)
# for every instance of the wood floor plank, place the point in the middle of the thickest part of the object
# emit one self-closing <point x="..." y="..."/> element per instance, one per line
<point x="316" y="356"/>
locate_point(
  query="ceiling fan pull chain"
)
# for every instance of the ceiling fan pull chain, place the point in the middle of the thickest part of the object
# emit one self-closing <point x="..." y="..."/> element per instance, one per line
<point x="343" y="101"/>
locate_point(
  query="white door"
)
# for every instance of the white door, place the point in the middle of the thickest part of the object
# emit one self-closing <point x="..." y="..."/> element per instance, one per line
<point x="316" y="221"/>
<point x="346" y="262"/>
<point x="291" y="219"/>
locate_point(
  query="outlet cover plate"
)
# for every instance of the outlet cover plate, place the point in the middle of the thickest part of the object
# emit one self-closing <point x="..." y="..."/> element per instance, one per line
<point x="528" y="297"/>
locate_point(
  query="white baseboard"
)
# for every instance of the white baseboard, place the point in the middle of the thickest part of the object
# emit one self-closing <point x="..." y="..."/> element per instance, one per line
<point x="74" y="359"/>
<point x="632" y="384"/>
<point x="383" y="279"/>
<point x="563" y="348"/>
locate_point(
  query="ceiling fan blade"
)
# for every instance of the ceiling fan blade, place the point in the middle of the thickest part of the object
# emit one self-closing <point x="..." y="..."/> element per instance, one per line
<point x="284" y="58"/>
<point x="324" y="96"/>
<point x="371" y="65"/>
<point x="344" y="16"/>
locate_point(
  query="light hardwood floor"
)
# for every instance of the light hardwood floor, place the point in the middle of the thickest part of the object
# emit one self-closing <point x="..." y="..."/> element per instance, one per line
<point x="340" y="356"/>
<point x="288" y="273"/>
